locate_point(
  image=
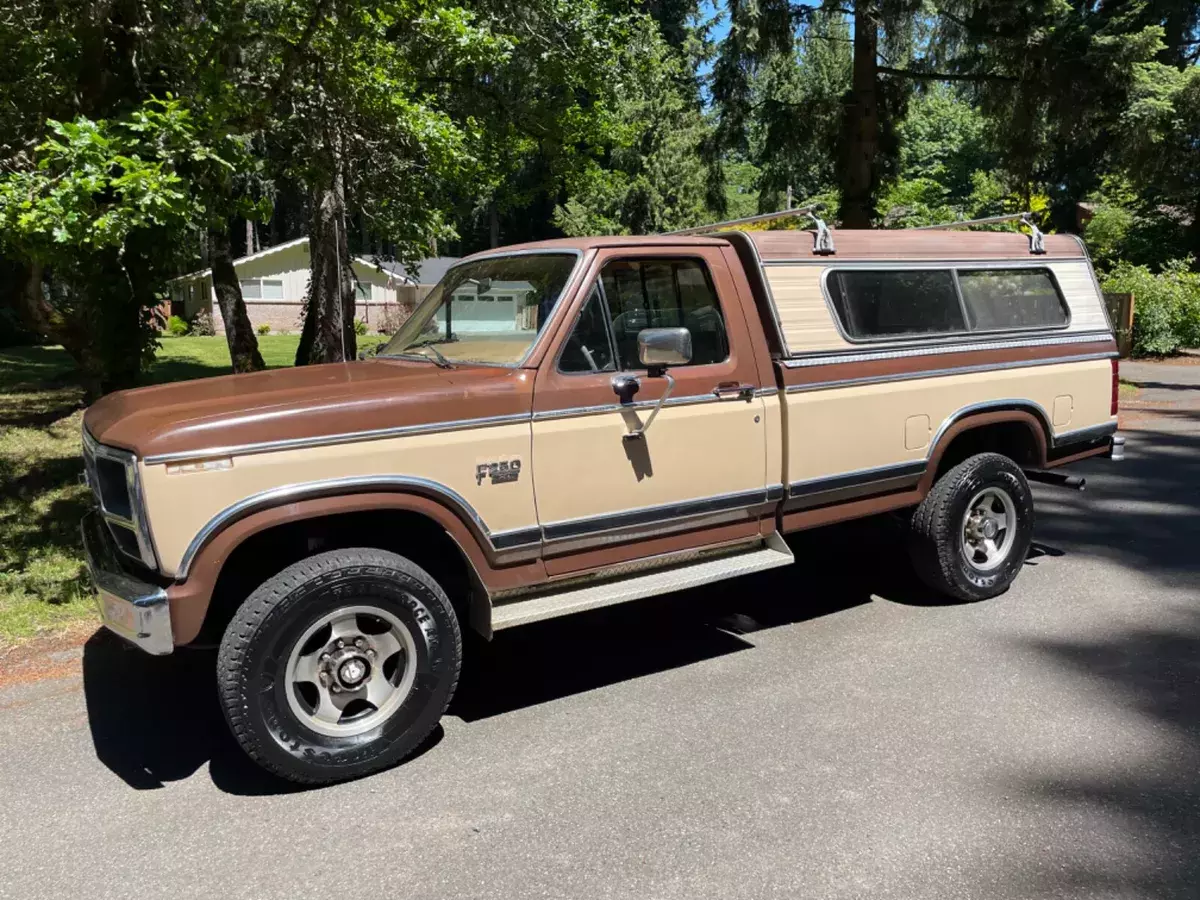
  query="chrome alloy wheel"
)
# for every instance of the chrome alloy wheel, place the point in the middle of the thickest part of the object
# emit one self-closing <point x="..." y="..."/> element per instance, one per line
<point x="989" y="529"/>
<point x="350" y="671"/>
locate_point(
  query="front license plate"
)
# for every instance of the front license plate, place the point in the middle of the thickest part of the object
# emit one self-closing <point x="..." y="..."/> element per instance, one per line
<point x="118" y="613"/>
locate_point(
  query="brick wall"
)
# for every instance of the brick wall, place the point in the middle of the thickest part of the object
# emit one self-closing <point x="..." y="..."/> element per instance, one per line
<point x="286" y="317"/>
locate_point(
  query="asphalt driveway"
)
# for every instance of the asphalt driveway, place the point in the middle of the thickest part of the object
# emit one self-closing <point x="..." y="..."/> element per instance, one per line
<point x="826" y="731"/>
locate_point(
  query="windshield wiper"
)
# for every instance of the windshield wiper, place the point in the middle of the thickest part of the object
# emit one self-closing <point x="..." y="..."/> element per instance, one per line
<point x="441" y="362"/>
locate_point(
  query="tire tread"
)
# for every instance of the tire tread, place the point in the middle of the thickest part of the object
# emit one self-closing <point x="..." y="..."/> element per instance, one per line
<point x="932" y="546"/>
<point x="257" y="609"/>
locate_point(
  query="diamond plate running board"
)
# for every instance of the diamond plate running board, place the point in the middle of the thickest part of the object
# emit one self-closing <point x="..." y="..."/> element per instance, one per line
<point x="775" y="553"/>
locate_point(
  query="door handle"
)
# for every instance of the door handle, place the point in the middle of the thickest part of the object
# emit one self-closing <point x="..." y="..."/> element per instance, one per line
<point x="732" y="390"/>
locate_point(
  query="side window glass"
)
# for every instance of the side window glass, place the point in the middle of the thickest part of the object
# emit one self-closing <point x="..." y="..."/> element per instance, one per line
<point x="588" y="349"/>
<point x="873" y="304"/>
<point x="664" y="293"/>
<point x="1011" y="298"/>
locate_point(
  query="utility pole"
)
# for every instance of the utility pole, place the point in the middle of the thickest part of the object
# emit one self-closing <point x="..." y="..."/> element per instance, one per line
<point x="789" y="197"/>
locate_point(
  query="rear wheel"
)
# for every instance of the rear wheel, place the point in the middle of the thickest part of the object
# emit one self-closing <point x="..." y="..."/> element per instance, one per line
<point x="970" y="535"/>
<point x="340" y="665"/>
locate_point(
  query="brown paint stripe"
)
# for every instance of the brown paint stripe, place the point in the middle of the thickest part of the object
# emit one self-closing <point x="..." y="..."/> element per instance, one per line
<point x="937" y="362"/>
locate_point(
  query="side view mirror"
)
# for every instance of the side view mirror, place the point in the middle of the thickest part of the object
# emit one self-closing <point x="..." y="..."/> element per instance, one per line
<point x="662" y="347"/>
<point x="658" y="348"/>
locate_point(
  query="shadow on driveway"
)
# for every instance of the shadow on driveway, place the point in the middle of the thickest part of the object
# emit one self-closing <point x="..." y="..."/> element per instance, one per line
<point x="1142" y="807"/>
<point x="157" y="719"/>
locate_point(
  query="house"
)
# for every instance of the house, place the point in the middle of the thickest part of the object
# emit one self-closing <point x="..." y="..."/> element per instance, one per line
<point x="274" y="282"/>
<point x="506" y="306"/>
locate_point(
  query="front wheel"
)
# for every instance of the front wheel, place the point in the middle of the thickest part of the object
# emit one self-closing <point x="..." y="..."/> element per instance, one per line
<point x="340" y="665"/>
<point x="970" y="535"/>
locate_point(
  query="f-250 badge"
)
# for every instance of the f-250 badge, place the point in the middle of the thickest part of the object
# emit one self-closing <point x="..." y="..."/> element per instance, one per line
<point x="502" y="472"/>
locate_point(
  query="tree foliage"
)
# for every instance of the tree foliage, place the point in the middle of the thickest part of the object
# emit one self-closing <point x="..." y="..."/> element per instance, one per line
<point x="139" y="137"/>
<point x="651" y="177"/>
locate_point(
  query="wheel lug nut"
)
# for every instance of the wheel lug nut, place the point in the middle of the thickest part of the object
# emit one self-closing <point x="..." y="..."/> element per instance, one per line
<point x="360" y="643"/>
<point x="341" y="643"/>
<point x="335" y="688"/>
<point x="324" y="657"/>
<point x="371" y="653"/>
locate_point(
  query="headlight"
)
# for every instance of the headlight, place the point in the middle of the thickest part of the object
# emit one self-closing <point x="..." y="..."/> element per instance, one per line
<point x="112" y="475"/>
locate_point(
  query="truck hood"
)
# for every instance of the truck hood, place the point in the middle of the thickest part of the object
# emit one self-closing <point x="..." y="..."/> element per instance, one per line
<point x="222" y="414"/>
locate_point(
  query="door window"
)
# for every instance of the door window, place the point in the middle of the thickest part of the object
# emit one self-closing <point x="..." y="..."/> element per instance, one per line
<point x="663" y="293"/>
<point x="589" y="348"/>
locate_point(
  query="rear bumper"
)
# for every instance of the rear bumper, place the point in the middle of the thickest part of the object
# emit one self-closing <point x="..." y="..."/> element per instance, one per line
<point x="136" y="610"/>
<point x="1116" y="449"/>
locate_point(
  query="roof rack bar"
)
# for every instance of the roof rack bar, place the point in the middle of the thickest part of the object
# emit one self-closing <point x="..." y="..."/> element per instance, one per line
<point x="1037" y="240"/>
<point x="991" y="220"/>
<point x="749" y="220"/>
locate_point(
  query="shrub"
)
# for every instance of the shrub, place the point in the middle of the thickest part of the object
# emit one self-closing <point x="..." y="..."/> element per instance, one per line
<point x="264" y="328"/>
<point x="176" y="326"/>
<point x="202" y="324"/>
<point x="360" y="327"/>
<point x="1166" y="312"/>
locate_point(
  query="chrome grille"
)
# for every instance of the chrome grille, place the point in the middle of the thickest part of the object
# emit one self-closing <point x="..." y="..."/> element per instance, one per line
<point x="112" y="476"/>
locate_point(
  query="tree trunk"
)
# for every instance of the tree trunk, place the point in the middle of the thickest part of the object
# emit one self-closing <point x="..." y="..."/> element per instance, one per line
<point x="493" y="224"/>
<point x="860" y="125"/>
<point x="328" y="334"/>
<point x="243" y="345"/>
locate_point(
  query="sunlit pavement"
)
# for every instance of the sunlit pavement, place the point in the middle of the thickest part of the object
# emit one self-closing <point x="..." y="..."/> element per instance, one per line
<point x="830" y="730"/>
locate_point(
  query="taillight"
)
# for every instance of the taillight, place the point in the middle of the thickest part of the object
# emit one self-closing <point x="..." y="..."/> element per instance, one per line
<point x="1116" y="381"/>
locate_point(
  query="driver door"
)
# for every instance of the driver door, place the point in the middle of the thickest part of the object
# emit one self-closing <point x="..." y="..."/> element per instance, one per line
<point x="698" y="475"/>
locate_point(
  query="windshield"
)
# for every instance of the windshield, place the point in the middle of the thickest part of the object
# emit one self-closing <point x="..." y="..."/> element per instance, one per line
<point x="487" y="311"/>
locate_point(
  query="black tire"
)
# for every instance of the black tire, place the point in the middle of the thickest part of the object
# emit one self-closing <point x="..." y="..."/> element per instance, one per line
<point x="938" y="546"/>
<point x="257" y="646"/>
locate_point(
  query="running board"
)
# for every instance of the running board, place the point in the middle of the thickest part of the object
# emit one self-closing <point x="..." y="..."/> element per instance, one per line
<point x="776" y="553"/>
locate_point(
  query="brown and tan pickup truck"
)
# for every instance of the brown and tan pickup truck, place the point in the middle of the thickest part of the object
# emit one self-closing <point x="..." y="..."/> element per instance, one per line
<point x="570" y="424"/>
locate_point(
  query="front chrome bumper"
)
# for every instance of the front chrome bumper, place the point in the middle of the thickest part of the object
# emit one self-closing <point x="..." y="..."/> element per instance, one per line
<point x="136" y="610"/>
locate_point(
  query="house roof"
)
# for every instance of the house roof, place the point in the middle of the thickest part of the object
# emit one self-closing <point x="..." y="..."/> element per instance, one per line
<point x="427" y="271"/>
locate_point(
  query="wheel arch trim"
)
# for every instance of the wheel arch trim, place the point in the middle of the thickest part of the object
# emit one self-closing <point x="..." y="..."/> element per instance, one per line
<point x="979" y="415"/>
<point x="334" y="487"/>
<point x="190" y="600"/>
<point x="988" y="406"/>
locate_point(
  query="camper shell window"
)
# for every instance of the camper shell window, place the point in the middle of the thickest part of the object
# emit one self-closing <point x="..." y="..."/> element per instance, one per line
<point x="890" y="304"/>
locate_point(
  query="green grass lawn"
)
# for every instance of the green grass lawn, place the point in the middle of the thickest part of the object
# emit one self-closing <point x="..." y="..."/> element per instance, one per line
<point x="43" y="583"/>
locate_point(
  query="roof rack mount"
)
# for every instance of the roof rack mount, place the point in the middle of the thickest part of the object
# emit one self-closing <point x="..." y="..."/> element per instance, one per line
<point x="1037" y="240"/>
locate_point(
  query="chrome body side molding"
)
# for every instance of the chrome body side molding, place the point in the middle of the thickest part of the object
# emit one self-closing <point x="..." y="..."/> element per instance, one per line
<point x="654" y="515"/>
<point x="573" y="411"/>
<point x="940" y="373"/>
<point x="943" y="346"/>
<point x="914" y="470"/>
<point x="375" y="434"/>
